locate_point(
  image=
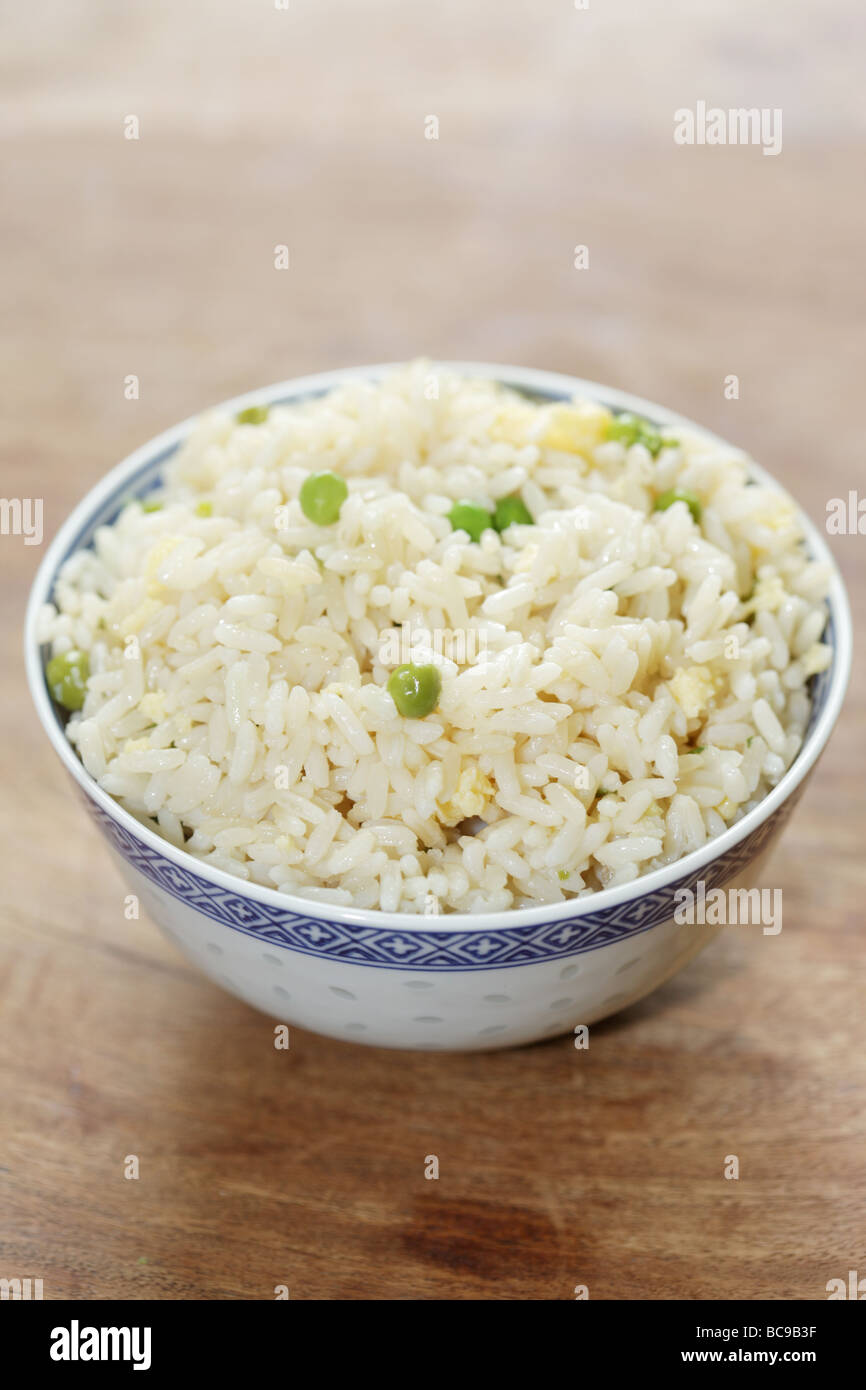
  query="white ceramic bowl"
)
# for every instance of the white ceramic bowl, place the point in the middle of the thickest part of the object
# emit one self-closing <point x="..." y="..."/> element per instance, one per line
<point x="398" y="980"/>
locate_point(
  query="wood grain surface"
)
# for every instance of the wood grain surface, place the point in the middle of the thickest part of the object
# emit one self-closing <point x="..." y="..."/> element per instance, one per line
<point x="155" y="257"/>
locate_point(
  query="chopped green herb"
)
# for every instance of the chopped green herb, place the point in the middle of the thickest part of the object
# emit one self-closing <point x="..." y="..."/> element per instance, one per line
<point x="700" y="748"/>
<point x="471" y="518"/>
<point x="630" y="429"/>
<point x="67" y="676"/>
<point x="676" y="494"/>
<point x="750" y="740"/>
<point x="321" y="496"/>
<point x="151" y="506"/>
<point x="414" y="689"/>
<point x="204" y="509"/>
<point x="651" y="439"/>
<point x="252" y="415"/>
<point x="563" y="873"/>
<point x="625" y="429"/>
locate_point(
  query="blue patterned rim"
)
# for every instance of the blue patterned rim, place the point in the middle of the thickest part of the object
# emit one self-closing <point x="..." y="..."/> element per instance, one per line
<point x="369" y="937"/>
<point x="393" y="948"/>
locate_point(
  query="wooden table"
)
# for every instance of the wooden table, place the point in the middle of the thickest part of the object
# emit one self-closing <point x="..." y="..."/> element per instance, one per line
<point x="154" y="258"/>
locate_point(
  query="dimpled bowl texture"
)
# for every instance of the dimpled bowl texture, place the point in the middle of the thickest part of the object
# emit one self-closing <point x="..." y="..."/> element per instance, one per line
<point x="462" y="982"/>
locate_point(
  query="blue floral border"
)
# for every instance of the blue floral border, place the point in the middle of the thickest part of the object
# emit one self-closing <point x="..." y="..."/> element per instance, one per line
<point x="399" y="948"/>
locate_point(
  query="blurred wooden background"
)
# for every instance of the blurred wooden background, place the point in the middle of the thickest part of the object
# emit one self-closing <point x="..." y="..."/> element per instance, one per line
<point x="154" y="258"/>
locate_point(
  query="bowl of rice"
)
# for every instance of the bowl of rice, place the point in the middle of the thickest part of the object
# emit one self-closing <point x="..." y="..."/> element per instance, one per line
<point x="414" y="702"/>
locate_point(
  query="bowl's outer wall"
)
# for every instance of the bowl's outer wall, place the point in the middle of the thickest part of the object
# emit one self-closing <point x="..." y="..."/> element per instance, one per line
<point x="463" y="990"/>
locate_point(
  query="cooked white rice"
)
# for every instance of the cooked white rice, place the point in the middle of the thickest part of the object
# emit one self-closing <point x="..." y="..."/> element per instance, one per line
<point x="619" y="683"/>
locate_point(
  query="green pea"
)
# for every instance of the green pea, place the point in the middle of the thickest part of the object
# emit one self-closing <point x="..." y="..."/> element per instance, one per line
<point x="650" y="439"/>
<point x="625" y="428"/>
<point x="471" y="518"/>
<point x="67" y="677"/>
<point x="511" y="511"/>
<point x="252" y="415"/>
<point x="322" y="495"/>
<point x="151" y="506"/>
<point x="415" y="690"/>
<point x="678" y="494"/>
<point x="204" y="509"/>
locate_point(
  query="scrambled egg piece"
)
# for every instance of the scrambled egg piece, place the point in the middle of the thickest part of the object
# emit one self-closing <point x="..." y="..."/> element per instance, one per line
<point x="154" y="559"/>
<point x="153" y="705"/>
<point x="693" y="687"/>
<point x="768" y="594"/>
<point x="816" y="659"/>
<point x="781" y="517"/>
<point x="576" y="429"/>
<point x="513" y="424"/>
<point x="469" y="799"/>
<point x="135" y="621"/>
